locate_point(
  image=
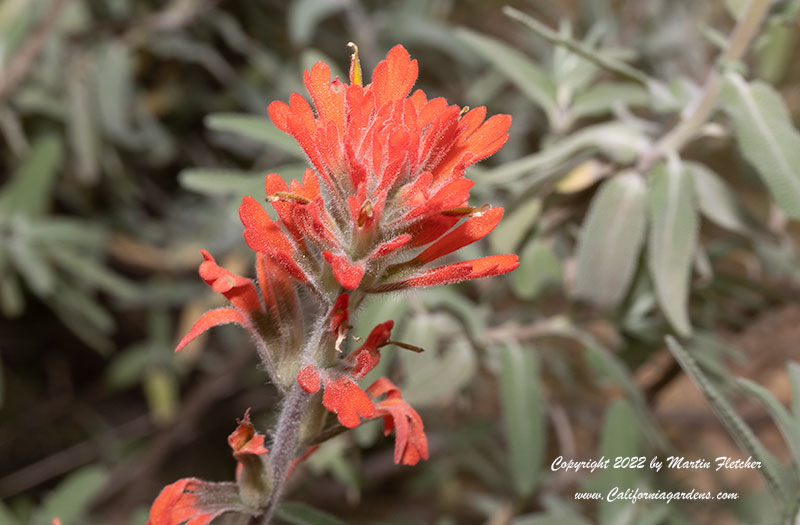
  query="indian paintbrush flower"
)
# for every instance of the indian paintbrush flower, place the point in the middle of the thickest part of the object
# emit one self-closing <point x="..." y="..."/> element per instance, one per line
<point x="385" y="199"/>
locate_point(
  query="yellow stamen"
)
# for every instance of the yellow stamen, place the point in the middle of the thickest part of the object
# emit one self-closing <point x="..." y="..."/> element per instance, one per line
<point x="287" y="196"/>
<point x="463" y="111"/>
<point x="466" y="210"/>
<point x="355" y="66"/>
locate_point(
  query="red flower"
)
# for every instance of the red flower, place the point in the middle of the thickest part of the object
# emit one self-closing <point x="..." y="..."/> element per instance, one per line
<point x="411" y="445"/>
<point x="192" y="501"/>
<point x="392" y="165"/>
<point x="350" y="403"/>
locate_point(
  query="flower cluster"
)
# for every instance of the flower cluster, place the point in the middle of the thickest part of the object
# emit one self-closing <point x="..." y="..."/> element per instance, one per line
<point x="385" y="199"/>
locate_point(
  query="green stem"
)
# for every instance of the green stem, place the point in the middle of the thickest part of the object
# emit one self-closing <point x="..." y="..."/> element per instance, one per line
<point x="674" y="140"/>
<point x="605" y="62"/>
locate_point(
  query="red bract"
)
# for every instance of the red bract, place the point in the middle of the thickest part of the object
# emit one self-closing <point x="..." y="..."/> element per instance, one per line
<point x="344" y="397"/>
<point x="192" y="501"/>
<point x="386" y="199"/>
<point x="392" y="166"/>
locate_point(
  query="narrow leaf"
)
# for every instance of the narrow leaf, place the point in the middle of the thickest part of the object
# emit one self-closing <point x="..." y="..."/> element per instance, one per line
<point x="673" y="235"/>
<point x="767" y="138"/>
<point x="523" y="416"/>
<point x="28" y="193"/>
<point x="738" y="429"/>
<point x="610" y="240"/>
<point x="529" y="78"/>
<point x="789" y="427"/>
<point x="255" y="128"/>
<point x="538" y="268"/>
<point x="515" y="226"/>
<point x="716" y="199"/>
<point x="298" y="513"/>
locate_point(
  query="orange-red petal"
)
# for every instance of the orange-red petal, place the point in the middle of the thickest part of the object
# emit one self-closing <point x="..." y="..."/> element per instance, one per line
<point x="209" y="319"/>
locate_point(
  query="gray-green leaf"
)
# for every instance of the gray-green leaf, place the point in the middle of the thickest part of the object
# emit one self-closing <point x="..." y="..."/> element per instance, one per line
<point x="716" y="200"/>
<point x="767" y="138"/>
<point x="523" y="416"/>
<point x="673" y="234"/>
<point x="519" y="69"/>
<point x="255" y="128"/>
<point x="610" y="240"/>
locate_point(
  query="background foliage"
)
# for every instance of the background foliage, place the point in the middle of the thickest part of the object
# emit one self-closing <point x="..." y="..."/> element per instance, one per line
<point x="651" y="186"/>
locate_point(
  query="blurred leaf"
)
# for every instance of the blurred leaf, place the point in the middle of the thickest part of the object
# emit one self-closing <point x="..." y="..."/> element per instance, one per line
<point x="515" y="226"/>
<point x="30" y="263"/>
<point x="622" y="142"/>
<point x="529" y="78"/>
<point x="81" y="128"/>
<point x="93" y="273"/>
<point x="114" y="87"/>
<point x="794" y="377"/>
<point x="610" y="240"/>
<point x="737" y="427"/>
<point x="303" y="17"/>
<point x="789" y="426"/>
<point x="255" y="128"/>
<point x="128" y="367"/>
<point x="28" y="193"/>
<point x="523" y="416"/>
<point x="12" y="299"/>
<point x="438" y="373"/>
<point x="583" y="176"/>
<point x="620" y="438"/>
<point x="601" y="99"/>
<point x="716" y="200"/>
<point x="83" y="315"/>
<point x="70" y="499"/>
<point x="7" y="517"/>
<point x="298" y="513"/>
<point x="779" y="40"/>
<point x="212" y="181"/>
<point x="673" y="235"/>
<point x="67" y="231"/>
<point x="538" y="268"/>
<point x="767" y="138"/>
<point x="161" y="391"/>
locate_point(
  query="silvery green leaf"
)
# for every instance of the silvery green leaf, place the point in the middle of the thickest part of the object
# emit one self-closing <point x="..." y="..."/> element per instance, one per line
<point x="297" y="513"/>
<point x="212" y="181"/>
<point x="600" y="99"/>
<point x="617" y="140"/>
<point x="81" y="128"/>
<point x="515" y="226"/>
<point x="736" y="426"/>
<point x="767" y="137"/>
<point x="523" y="416"/>
<point x="28" y="193"/>
<point x="673" y="235"/>
<point x="114" y="87"/>
<point x="529" y="78"/>
<point x="70" y="500"/>
<point x="716" y="200"/>
<point x="538" y="267"/>
<point x="610" y="240"/>
<point x="304" y="15"/>
<point x="258" y="129"/>
<point x="789" y="426"/>
<point x="439" y="373"/>
<point x="620" y="438"/>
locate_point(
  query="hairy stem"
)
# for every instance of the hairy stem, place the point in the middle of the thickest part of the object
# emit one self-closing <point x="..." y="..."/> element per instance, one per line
<point x="285" y="444"/>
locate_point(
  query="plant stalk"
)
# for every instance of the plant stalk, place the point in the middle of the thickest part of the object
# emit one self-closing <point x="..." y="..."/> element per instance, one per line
<point x="697" y="115"/>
